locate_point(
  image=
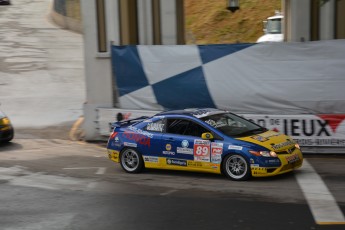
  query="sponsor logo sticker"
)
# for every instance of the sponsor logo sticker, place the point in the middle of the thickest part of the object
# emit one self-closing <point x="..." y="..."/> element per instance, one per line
<point x="168" y="147"/>
<point x="155" y="127"/>
<point x="235" y="147"/>
<point x="169" y="153"/>
<point x="185" y="144"/>
<point x="216" y="152"/>
<point x="138" y="138"/>
<point x="259" y="138"/>
<point x="184" y="150"/>
<point x="129" y="144"/>
<point x="202" y="150"/>
<point x="176" y="162"/>
<point x="151" y="159"/>
<point x="293" y="158"/>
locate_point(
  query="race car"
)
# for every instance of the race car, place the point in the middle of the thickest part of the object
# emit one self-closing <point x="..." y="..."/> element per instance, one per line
<point x="5" y="2"/>
<point x="203" y="140"/>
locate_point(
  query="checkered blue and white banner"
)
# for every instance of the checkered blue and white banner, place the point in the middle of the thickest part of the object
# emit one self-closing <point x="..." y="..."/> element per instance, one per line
<point x="274" y="78"/>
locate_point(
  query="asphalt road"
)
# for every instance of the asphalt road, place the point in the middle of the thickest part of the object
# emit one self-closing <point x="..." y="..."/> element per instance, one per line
<point x="41" y="67"/>
<point x="60" y="184"/>
<point x="49" y="182"/>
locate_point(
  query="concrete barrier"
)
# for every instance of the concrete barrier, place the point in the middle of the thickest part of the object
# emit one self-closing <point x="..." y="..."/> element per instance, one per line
<point x="66" y="14"/>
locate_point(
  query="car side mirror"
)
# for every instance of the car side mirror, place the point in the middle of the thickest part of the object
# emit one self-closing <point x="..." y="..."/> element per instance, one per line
<point x="207" y="136"/>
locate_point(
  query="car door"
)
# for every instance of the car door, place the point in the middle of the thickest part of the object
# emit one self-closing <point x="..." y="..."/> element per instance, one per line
<point x="182" y="143"/>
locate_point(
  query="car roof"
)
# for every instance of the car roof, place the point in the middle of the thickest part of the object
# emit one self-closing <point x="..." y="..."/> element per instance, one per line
<point x="193" y="112"/>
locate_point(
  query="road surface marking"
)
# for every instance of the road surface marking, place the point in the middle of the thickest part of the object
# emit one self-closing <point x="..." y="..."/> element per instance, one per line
<point x="322" y="204"/>
<point x="100" y="170"/>
<point x="168" y="192"/>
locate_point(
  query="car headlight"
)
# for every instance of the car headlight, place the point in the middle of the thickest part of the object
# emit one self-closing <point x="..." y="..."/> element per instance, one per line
<point x="297" y="146"/>
<point x="263" y="153"/>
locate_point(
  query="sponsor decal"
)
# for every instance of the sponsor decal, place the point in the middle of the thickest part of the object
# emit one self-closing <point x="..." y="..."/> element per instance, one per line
<point x="185" y="144"/>
<point x="138" y="138"/>
<point x="169" y="153"/>
<point x="235" y="147"/>
<point x="148" y="121"/>
<point x="201" y="113"/>
<point x="176" y="162"/>
<point x="159" y="117"/>
<point x="256" y="169"/>
<point x="168" y="147"/>
<point x="282" y="145"/>
<point x="202" y="150"/>
<point x="117" y="139"/>
<point x="139" y="131"/>
<point x="151" y="159"/>
<point x="269" y="134"/>
<point x="216" y="152"/>
<point x="184" y="150"/>
<point x="217" y="124"/>
<point x="130" y="144"/>
<point x="293" y="158"/>
<point x="155" y="127"/>
<point x="274" y="161"/>
<point x="259" y="138"/>
<point x="194" y="164"/>
<point x="254" y="165"/>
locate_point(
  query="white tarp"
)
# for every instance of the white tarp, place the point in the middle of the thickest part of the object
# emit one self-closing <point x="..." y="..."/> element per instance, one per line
<point x="274" y="78"/>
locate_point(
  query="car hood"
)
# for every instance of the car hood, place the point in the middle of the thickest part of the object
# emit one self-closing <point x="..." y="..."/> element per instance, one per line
<point x="271" y="140"/>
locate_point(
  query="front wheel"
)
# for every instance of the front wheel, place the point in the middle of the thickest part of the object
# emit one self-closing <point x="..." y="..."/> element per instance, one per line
<point x="131" y="161"/>
<point x="236" y="167"/>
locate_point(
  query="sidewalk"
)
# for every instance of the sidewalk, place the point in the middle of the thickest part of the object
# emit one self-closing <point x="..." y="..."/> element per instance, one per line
<point x="41" y="67"/>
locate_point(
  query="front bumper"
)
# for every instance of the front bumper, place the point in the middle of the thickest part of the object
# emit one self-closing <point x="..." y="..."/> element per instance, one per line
<point x="289" y="162"/>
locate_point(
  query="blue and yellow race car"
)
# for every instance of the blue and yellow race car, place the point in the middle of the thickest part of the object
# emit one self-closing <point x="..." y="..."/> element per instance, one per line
<point x="204" y="140"/>
<point x="6" y="128"/>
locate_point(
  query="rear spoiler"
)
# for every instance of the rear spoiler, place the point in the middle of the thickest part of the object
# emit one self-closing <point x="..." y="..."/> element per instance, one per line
<point x="128" y="122"/>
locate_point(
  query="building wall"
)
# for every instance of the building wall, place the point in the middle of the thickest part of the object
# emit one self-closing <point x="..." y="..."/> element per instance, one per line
<point x="308" y="20"/>
<point x="66" y="13"/>
<point x="121" y="22"/>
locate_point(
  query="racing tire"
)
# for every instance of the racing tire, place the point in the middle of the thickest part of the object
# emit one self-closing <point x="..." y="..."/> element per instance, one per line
<point x="131" y="160"/>
<point x="236" y="167"/>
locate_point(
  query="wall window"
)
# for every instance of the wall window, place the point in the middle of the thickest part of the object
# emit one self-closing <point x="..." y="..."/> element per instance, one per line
<point x="101" y="26"/>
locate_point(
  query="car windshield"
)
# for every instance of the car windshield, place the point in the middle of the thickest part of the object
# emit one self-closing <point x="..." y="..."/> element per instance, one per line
<point x="233" y="125"/>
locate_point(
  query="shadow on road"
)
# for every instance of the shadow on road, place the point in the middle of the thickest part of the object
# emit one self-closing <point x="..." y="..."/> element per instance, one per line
<point x="10" y="146"/>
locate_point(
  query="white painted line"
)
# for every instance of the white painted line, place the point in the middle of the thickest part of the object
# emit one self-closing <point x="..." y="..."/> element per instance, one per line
<point x="100" y="170"/>
<point x="168" y="192"/>
<point x="321" y="202"/>
<point x="91" y="185"/>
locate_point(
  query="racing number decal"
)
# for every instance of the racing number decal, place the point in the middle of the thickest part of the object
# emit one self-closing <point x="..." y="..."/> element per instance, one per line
<point x="202" y="150"/>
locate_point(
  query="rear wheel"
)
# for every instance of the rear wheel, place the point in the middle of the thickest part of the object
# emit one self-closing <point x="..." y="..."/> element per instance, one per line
<point x="236" y="167"/>
<point x="131" y="161"/>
